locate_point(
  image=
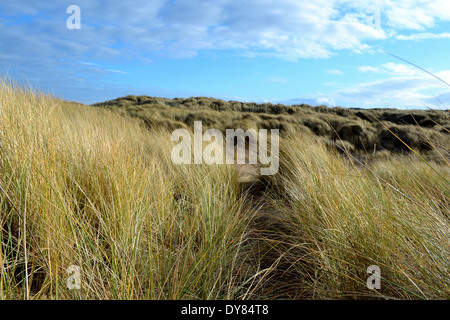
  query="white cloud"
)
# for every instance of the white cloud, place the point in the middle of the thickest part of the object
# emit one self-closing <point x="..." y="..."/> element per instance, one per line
<point x="87" y="63"/>
<point x="396" y="91"/>
<point x="393" y="69"/>
<point x="336" y="72"/>
<point x="424" y="36"/>
<point x="288" y="29"/>
<point x="407" y="14"/>
<point x="326" y="101"/>
<point x="116" y="71"/>
<point x="369" y="69"/>
<point x="95" y="66"/>
<point x="398" y="69"/>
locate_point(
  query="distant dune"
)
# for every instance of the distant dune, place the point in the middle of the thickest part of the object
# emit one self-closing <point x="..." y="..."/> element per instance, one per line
<point x="368" y="131"/>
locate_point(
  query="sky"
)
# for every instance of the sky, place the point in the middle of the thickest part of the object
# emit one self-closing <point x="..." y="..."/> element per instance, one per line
<point x="335" y="52"/>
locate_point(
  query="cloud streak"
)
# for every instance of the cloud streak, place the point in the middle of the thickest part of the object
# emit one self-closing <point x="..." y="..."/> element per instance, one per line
<point x="408" y="91"/>
<point x="424" y="36"/>
<point x="393" y="69"/>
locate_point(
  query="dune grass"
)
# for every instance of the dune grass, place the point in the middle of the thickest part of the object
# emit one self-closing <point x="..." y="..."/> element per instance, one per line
<point x="89" y="187"/>
<point x="339" y="217"/>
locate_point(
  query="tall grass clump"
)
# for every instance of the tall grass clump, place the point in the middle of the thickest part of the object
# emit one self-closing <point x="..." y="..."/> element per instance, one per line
<point x="339" y="216"/>
<point x="87" y="187"/>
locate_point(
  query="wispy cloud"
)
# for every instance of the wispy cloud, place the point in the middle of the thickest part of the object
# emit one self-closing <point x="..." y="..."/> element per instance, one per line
<point x="116" y="71"/>
<point x="369" y="69"/>
<point x="416" y="91"/>
<point x="278" y="80"/>
<point x="87" y="63"/>
<point x="424" y="36"/>
<point x="398" y="69"/>
<point x="396" y="91"/>
<point x="336" y="72"/>
<point x="96" y="66"/>
<point x="394" y="69"/>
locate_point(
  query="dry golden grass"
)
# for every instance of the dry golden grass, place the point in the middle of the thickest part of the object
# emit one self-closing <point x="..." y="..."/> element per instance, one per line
<point x="340" y="217"/>
<point x="89" y="187"/>
<point x="93" y="189"/>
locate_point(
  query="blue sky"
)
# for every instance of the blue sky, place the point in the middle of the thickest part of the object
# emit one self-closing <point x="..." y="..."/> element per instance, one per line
<point x="289" y="51"/>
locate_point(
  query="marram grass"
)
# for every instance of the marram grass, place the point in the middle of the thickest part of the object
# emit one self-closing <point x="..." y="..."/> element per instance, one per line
<point x="87" y="187"/>
<point x="340" y="217"/>
<point x="93" y="189"/>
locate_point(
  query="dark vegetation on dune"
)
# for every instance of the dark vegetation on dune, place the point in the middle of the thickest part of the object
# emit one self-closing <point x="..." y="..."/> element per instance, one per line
<point x="360" y="131"/>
